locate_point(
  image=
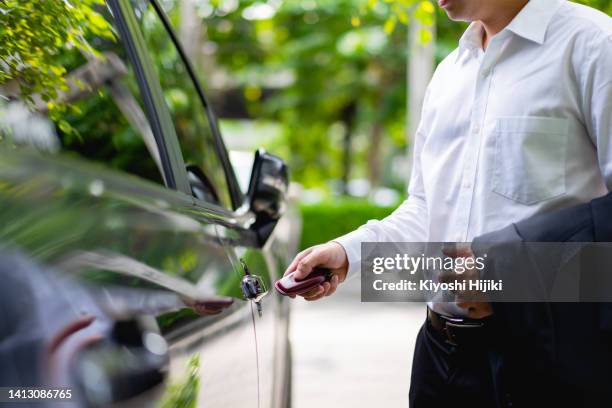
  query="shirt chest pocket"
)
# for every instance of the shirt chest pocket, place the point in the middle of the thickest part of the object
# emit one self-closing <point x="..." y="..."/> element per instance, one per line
<point x="530" y="156"/>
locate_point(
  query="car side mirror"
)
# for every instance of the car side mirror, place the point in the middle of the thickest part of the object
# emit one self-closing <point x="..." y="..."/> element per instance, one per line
<point x="267" y="192"/>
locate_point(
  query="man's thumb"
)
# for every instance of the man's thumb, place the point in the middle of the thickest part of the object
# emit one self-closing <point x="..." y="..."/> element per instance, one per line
<point x="306" y="265"/>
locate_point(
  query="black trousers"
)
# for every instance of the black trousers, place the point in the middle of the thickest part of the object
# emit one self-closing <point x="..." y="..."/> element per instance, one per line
<point x="445" y="376"/>
<point x="495" y="374"/>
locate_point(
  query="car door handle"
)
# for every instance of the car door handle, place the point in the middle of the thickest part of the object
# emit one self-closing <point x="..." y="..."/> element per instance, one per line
<point x="210" y="306"/>
<point x="132" y="361"/>
<point x="253" y="287"/>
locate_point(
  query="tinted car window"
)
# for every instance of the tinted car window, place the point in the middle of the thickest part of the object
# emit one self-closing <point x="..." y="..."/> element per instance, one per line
<point x="193" y="128"/>
<point x="104" y="119"/>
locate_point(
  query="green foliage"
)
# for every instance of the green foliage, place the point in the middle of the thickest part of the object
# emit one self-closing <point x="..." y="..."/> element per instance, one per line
<point x="341" y="74"/>
<point x="42" y="44"/>
<point x="403" y="10"/>
<point x="324" y="69"/>
<point x="330" y="219"/>
<point x="602" y="5"/>
<point x="34" y="33"/>
<point x="184" y="394"/>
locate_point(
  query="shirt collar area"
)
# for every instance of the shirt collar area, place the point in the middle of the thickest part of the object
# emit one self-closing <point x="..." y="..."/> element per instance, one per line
<point x="471" y="40"/>
<point x="533" y="20"/>
<point x="530" y="23"/>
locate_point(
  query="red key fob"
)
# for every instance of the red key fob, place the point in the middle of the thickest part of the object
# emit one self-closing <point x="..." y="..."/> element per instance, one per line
<point x="288" y="285"/>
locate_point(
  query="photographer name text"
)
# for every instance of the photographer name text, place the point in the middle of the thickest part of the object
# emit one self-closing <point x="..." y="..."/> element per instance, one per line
<point x="429" y="285"/>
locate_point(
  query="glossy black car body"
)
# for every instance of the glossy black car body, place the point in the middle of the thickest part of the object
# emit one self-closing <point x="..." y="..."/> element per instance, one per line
<point x="144" y="294"/>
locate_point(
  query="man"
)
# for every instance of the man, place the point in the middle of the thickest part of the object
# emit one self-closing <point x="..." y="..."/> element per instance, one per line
<point x="516" y="122"/>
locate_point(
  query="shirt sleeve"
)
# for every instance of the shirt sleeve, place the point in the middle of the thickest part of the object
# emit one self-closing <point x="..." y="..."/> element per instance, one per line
<point x="408" y="223"/>
<point x="597" y="101"/>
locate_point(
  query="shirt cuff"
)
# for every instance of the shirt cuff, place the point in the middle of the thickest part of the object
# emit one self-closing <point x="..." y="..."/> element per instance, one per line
<point x="351" y="243"/>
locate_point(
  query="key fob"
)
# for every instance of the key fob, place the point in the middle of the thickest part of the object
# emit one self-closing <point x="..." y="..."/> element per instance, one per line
<point x="288" y="285"/>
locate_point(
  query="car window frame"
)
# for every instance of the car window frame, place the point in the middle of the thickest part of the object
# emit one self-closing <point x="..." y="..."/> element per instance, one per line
<point x="236" y="194"/>
<point x="157" y="111"/>
<point x="126" y="24"/>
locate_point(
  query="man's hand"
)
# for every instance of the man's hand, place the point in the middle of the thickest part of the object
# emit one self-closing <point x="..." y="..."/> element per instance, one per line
<point x="473" y="302"/>
<point x="330" y="255"/>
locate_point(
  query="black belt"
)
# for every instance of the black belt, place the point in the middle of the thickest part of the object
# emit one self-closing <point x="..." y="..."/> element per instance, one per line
<point x="460" y="331"/>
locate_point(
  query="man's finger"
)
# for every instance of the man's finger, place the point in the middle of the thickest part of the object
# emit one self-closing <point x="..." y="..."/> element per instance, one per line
<point x="293" y="265"/>
<point x="463" y="303"/>
<point x="341" y="274"/>
<point x="306" y="265"/>
<point x="326" y="287"/>
<point x="450" y="277"/>
<point x="333" y="285"/>
<point x="314" y="294"/>
<point x="457" y="251"/>
<point x="312" y="299"/>
<point x="317" y="296"/>
<point x="476" y="310"/>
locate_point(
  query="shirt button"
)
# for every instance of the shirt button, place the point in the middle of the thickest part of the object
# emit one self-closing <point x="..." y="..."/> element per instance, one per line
<point x="467" y="184"/>
<point x="475" y="129"/>
<point x="485" y="72"/>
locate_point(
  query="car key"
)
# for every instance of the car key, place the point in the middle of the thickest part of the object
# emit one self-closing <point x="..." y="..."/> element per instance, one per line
<point x="288" y="285"/>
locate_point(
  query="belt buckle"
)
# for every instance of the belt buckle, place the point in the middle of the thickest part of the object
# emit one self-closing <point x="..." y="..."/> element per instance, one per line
<point x="452" y="327"/>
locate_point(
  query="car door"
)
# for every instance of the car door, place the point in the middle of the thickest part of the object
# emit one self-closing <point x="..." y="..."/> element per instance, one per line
<point x="134" y="250"/>
<point x="207" y="164"/>
<point x="201" y="165"/>
<point x="118" y="219"/>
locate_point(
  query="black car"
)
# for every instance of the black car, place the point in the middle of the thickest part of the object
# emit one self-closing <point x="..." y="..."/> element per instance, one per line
<point x="134" y="269"/>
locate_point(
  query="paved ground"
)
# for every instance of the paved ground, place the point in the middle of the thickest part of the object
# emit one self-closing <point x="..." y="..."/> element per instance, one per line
<point x="352" y="354"/>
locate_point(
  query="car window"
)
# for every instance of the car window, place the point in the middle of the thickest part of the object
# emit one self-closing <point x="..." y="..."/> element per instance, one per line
<point x="101" y="116"/>
<point x="194" y="131"/>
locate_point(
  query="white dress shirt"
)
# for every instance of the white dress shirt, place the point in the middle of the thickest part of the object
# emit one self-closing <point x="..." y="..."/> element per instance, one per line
<point x="521" y="128"/>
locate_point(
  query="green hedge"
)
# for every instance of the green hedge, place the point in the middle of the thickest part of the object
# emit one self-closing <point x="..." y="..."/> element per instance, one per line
<point x="330" y="219"/>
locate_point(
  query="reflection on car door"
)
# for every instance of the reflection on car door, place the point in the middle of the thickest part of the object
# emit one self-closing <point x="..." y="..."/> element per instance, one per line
<point x="201" y="146"/>
<point x="118" y="234"/>
<point x="228" y="374"/>
<point x="140" y="248"/>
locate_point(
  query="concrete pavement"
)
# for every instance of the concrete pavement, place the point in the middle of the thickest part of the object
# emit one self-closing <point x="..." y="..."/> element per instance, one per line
<point x="352" y="354"/>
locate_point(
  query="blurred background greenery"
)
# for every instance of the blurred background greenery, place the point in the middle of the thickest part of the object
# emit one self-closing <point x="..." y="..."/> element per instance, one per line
<point x="322" y="83"/>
